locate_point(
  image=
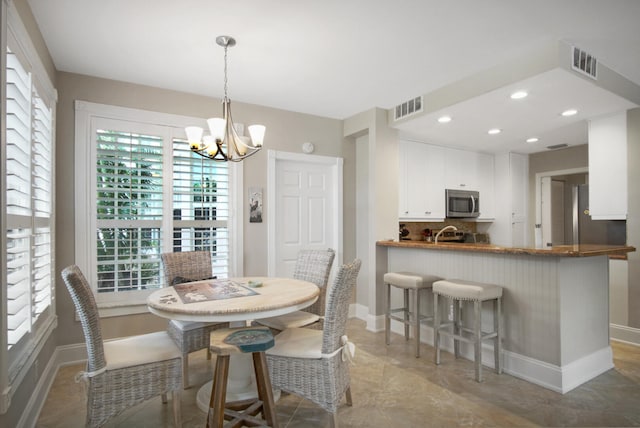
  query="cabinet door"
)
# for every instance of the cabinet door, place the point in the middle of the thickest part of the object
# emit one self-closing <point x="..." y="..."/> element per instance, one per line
<point x="461" y="169"/>
<point x="421" y="181"/>
<point x="608" y="167"/>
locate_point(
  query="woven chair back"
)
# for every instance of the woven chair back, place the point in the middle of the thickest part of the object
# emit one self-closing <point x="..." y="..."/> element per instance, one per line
<point x="87" y="309"/>
<point x="315" y="266"/>
<point x="190" y="265"/>
<point x="337" y="311"/>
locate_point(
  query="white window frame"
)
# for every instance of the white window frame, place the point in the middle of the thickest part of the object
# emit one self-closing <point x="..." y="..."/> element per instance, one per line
<point x="123" y="303"/>
<point x="14" y="369"/>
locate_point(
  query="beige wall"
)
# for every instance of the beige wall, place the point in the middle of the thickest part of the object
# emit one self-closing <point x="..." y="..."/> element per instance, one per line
<point x="633" y="217"/>
<point x="286" y="131"/>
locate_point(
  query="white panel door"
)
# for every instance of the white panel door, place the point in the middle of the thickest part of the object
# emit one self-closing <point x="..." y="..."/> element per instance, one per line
<point x="305" y="210"/>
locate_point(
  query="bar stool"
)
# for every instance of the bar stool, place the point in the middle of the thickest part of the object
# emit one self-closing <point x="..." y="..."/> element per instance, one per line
<point x="223" y="343"/>
<point x="459" y="291"/>
<point x="408" y="281"/>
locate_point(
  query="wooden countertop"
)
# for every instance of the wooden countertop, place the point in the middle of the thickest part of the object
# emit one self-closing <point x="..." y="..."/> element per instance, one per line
<point x="557" y="251"/>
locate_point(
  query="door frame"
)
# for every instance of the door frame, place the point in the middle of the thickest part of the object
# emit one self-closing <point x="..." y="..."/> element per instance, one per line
<point x="551" y="174"/>
<point x="336" y="163"/>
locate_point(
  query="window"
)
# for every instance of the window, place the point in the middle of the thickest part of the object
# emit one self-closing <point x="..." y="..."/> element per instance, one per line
<point x="142" y="192"/>
<point x="27" y="205"/>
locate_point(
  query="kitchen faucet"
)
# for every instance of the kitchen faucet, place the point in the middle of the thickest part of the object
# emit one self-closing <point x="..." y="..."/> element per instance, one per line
<point x="450" y="227"/>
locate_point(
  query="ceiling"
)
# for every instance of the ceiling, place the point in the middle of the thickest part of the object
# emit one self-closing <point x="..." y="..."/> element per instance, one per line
<point x="336" y="58"/>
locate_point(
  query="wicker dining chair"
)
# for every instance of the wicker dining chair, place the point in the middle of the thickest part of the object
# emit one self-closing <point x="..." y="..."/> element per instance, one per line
<point x="313" y="266"/>
<point x="314" y="364"/>
<point x="190" y="336"/>
<point x="122" y="372"/>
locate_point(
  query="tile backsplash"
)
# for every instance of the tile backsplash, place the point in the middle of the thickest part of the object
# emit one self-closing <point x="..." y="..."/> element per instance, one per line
<point x="415" y="228"/>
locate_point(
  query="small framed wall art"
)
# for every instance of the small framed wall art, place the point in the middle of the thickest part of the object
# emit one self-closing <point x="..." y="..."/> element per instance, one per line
<point x="255" y="204"/>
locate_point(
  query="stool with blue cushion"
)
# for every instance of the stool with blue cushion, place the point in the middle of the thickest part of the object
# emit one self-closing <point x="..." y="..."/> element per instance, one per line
<point x="223" y="343"/>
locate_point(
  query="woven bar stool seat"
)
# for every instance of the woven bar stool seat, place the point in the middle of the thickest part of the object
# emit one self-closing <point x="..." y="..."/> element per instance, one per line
<point x="460" y="291"/>
<point x="224" y="343"/>
<point x="409" y="282"/>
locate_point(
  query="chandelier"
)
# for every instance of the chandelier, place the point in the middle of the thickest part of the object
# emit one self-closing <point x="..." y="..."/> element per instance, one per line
<point x="223" y="144"/>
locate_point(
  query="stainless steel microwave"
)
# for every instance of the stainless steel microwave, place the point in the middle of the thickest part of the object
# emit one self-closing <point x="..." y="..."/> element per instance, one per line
<point x="462" y="203"/>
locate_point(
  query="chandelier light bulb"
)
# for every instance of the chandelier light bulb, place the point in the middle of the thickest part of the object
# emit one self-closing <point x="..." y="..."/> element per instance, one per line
<point x="257" y="134"/>
<point x="217" y="127"/>
<point x="194" y="136"/>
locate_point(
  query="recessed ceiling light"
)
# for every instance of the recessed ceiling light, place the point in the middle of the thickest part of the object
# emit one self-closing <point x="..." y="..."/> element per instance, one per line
<point x="519" y="95"/>
<point x="570" y="112"/>
<point x="444" y="119"/>
<point x="532" y="140"/>
<point x="494" y="131"/>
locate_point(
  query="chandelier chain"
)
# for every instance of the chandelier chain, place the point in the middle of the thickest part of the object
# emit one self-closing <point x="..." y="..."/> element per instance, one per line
<point x="225" y="72"/>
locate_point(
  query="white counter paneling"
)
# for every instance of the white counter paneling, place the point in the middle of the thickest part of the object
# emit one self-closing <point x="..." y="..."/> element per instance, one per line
<point x="555" y="308"/>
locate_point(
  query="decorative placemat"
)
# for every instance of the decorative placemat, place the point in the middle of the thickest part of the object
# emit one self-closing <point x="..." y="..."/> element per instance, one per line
<point x="217" y="289"/>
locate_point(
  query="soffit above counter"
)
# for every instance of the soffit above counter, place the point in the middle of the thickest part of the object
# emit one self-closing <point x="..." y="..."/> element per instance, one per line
<point x="482" y="101"/>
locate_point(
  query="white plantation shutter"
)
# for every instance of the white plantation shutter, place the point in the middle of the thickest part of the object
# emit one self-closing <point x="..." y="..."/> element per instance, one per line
<point x="129" y="179"/>
<point x="27" y="205"/>
<point x="29" y="166"/>
<point x="201" y="206"/>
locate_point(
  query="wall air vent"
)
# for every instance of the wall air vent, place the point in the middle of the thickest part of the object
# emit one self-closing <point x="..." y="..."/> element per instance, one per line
<point x="408" y="108"/>
<point x="584" y="63"/>
<point x="557" y="146"/>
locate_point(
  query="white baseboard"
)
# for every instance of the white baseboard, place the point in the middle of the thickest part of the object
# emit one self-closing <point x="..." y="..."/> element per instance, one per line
<point x="63" y="355"/>
<point x="623" y="333"/>
<point x="561" y="379"/>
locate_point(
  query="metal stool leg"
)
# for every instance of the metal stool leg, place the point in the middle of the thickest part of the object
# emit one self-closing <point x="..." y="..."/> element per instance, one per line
<point x="387" y="318"/>
<point x="497" y="326"/>
<point x="436" y="328"/>
<point x="416" y="320"/>
<point x="477" y="332"/>
<point x="457" y="325"/>
<point x="406" y="314"/>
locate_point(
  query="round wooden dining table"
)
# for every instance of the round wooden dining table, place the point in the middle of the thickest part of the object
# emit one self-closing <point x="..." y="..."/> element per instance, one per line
<point x="237" y="301"/>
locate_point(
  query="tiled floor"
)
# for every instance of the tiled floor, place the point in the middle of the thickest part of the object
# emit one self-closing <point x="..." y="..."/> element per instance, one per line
<point x="391" y="388"/>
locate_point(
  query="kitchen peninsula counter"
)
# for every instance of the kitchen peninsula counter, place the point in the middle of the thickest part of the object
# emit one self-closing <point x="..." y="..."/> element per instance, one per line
<point x="555" y="302"/>
<point x="587" y="250"/>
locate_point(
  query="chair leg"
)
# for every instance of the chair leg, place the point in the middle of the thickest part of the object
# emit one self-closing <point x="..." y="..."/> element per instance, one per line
<point x="436" y="328"/>
<point x="416" y="320"/>
<point x="215" y="418"/>
<point x="265" y="392"/>
<point x="387" y="317"/>
<point x="406" y="314"/>
<point x="177" y="408"/>
<point x="477" y="331"/>
<point x="334" y="420"/>
<point x="164" y="398"/>
<point x="348" y="395"/>
<point x="185" y="370"/>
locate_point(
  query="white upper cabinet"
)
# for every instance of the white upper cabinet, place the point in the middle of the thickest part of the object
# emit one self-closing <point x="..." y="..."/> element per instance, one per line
<point x="608" y="167"/>
<point x="421" y="182"/>
<point x="427" y="170"/>
<point x="461" y="170"/>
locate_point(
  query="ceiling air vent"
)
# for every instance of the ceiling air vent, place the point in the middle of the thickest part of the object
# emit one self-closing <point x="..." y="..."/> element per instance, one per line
<point x="408" y="108"/>
<point x="557" y="146"/>
<point x="584" y="63"/>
